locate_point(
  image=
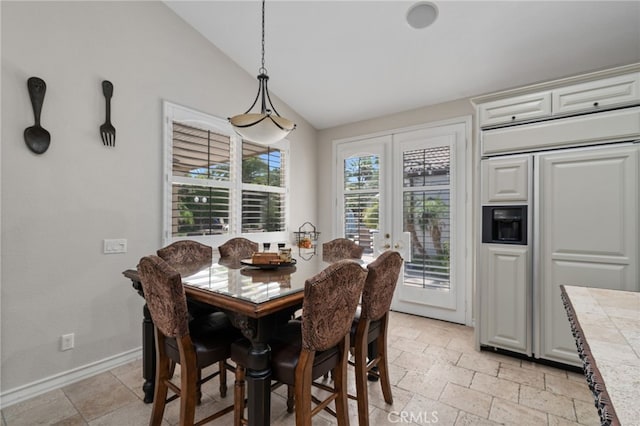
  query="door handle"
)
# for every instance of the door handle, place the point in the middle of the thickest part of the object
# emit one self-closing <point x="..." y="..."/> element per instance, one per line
<point x="387" y="246"/>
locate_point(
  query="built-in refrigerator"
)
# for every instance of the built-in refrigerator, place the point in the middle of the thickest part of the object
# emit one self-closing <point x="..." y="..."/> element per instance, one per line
<point x="552" y="215"/>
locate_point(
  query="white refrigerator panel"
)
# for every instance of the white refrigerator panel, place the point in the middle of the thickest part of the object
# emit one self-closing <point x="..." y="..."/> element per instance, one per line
<point x="586" y="218"/>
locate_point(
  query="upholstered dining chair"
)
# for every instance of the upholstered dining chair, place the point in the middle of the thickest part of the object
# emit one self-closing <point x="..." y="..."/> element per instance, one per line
<point x="370" y="326"/>
<point x="341" y="248"/>
<point x="238" y="247"/>
<point x="306" y="349"/>
<point x="184" y="255"/>
<point x="193" y="345"/>
<point x="187" y="257"/>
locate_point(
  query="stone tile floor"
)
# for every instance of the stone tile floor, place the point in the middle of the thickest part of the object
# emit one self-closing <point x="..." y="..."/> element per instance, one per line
<point x="437" y="377"/>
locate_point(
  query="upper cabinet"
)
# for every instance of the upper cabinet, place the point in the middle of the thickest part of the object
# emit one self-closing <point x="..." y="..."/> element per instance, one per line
<point x="595" y="95"/>
<point x="518" y="108"/>
<point x="570" y="96"/>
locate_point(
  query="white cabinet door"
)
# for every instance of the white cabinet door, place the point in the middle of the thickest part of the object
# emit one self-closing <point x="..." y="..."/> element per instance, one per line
<point x="519" y="108"/>
<point x="595" y="95"/>
<point x="505" y="179"/>
<point x="505" y="289"/>
<point x="587" y="218"/>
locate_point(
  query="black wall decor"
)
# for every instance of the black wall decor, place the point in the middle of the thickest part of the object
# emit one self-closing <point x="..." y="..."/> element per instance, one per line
<point x="107" y="131"/>
<point x="36" y="137"/>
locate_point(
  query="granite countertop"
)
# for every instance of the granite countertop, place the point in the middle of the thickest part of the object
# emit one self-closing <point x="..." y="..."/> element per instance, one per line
<point x="606" y="325"/>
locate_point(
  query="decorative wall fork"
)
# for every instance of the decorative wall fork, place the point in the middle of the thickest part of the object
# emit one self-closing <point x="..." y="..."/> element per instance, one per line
<point x="107" y="131"/>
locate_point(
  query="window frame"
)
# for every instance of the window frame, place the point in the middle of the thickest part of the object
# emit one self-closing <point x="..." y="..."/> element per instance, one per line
<point x="176" y="113"/>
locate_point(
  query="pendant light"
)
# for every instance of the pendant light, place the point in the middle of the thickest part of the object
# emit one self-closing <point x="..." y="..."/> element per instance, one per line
<point x="267" y="126"/>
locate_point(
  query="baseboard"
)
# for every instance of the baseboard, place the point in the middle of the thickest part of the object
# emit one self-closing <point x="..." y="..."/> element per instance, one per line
<point x="30" y="390"/>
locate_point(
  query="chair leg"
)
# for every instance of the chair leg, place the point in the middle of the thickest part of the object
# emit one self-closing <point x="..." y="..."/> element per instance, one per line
<point x="189" y="374"/>
<point x="163" y="373"/>
<point x="223" y="379"/>
<point x="340" y="383"/>
<point x="290" y="399"/>
<point x="238" y="395"/>
<point x="383" y="366"/>
<point x="362" y="390"/>
<point x="198" y="387"/>
<point x="303" y="383"/>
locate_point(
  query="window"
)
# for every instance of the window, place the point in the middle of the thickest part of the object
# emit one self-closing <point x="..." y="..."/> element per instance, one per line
<point x="218" y="185"/>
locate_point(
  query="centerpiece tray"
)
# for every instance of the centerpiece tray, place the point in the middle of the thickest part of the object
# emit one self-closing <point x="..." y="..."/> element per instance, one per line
<point x="249" y="262"/>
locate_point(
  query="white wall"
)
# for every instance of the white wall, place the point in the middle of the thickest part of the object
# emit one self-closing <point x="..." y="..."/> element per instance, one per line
<point x="58" y="207"/>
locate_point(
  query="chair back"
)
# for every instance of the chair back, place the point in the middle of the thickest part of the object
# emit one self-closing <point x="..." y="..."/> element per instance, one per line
<point x="186" y="256"/>
<point x="330" y="301"/>
<point x="164" y="294"/>
<point x="380" y="284"/>
<point x="238" y="247"/>
<point x="341" y="248"/>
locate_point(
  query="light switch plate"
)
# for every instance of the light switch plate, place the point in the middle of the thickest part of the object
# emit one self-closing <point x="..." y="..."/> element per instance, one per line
<point x="118" y="245"/>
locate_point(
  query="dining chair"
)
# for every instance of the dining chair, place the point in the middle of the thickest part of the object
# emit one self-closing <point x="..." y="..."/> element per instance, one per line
<point x="341" y="248"/>
<point x="187" y="257"/>
<point x="238" y="247"/>
<point x="182" y="255"/>
<point x="193" y="345"/>
<point x="370" y="327"/>
<point x="304" y="350"/>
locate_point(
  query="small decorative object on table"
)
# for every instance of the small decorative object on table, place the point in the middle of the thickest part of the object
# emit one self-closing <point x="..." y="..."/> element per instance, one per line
<point x="306" y="238"/>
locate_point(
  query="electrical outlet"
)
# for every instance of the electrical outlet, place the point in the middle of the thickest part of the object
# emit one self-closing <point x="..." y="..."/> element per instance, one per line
<point x="118" y="245"/>
<point x="66" y="342"/>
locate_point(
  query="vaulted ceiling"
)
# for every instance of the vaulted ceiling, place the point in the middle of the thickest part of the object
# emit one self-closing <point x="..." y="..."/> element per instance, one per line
<point x="337" y="62"/>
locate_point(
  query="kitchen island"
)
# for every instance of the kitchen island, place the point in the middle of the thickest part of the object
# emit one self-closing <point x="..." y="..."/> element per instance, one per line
<point x="606" y="326"/>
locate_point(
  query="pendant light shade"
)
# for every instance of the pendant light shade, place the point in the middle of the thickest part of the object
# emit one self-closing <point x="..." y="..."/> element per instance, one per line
<point x="267" y="126"/>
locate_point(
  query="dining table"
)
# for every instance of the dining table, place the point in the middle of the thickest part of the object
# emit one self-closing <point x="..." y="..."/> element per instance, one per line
<point x="256" y="298"/>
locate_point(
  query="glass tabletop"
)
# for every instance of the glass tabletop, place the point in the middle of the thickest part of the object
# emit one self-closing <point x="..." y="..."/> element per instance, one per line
<point x="230" y="277"/>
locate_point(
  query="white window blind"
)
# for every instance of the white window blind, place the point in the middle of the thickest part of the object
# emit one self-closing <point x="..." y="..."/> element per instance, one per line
<point x="201" y="162"/>
<point x="361" y="203"/>
<point x="427" y="216"/>
<point x="263" y="188"/>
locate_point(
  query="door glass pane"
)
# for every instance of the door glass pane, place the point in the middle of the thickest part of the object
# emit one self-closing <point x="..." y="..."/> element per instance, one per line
<point x="427" y="217"/>
<point x="425" y="167"/>
<point x="361" y="199"/>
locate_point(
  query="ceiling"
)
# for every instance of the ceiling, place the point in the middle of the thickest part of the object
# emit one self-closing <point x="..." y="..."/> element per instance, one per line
<point x="338" y="62"/>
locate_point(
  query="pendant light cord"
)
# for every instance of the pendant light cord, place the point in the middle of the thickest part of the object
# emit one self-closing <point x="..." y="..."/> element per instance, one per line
<point x="263" y="69"/>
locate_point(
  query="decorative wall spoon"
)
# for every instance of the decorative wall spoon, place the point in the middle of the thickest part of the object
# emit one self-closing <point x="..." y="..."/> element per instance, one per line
<point x="37" y="138"/>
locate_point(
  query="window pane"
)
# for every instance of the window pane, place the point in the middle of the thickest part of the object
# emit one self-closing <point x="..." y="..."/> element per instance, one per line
<point x="262" y="165"/>
<point x="361" y="172"/>
<point x="199" y="210"/>
<point x="427" y="219"/>
<point x="262" y="212"/>
<point x="424" y="167"/>
<point x="200" y="153"/>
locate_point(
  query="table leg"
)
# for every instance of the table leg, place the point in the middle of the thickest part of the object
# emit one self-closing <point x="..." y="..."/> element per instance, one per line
<point x="259" y="385"/>
<point x="148" y="356"/>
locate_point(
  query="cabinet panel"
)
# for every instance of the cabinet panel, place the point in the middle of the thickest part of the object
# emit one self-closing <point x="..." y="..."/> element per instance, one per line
<point x="505" y="180"/>
<point x="609" y="126"/>
<point x="505" y="301"/>
<point x="525" y="107"/>
<point x="595" y="95"/>
<point x="589" y="232"/>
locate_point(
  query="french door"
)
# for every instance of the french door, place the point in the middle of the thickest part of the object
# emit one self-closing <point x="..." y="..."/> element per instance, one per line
<point x="406" y="191"/>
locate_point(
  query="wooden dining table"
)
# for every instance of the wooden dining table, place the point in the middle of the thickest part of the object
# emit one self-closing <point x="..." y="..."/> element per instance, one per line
<point x="256" y="300"/>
